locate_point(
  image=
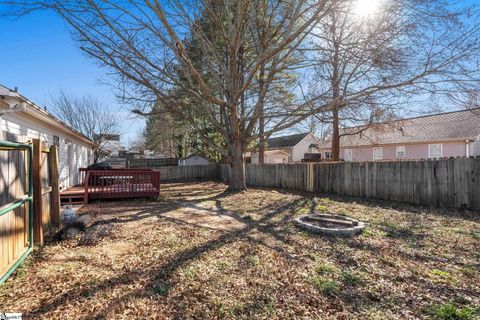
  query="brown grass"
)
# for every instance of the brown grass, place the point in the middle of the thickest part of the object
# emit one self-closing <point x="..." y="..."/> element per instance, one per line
<point x="202" y="253"/>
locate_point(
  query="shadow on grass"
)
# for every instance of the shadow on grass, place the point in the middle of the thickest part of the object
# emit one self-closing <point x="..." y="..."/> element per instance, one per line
<point x="156" y="279"/>
<point x="159" y="276"/>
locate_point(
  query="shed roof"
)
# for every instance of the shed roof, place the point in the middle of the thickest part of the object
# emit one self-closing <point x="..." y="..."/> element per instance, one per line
<point x="194" y="155"/>
<point x="285" y="141"/>
<point x="448" y="126"/>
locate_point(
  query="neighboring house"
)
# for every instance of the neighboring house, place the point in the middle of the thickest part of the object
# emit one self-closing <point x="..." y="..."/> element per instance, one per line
<point x="111" y="146"/>
<point x="272" y="156"/>
<point x="152" y="154"/>
<point x="290" y="148"/>
<point x="193" y="160"/>
<point x="450" y="134"/>
<point x="22" y="120"/>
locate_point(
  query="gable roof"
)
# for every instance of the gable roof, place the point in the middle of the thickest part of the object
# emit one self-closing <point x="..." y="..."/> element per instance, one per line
<point x="285" y="141"/>
<point x="43" y="115"/>
<point x="448" y="126"/>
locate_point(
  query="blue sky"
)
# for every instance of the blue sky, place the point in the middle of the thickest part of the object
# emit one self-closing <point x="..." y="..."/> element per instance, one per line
<point x="39" y="57"/>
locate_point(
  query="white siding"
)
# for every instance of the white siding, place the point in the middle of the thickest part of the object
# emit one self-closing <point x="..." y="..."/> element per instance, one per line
<point x="79" y="159"/>
<point x="301" y="148"/>
<point x="271" y="158"/>
<point x="475" y="147"/>
<point x="24" y="125"/>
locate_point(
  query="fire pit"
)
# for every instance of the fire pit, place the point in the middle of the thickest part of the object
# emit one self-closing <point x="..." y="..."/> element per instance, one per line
<point x="330" y="224"/>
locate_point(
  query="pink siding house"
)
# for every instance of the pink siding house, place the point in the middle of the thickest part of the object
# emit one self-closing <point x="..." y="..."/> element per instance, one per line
<point x="450" y="134"/>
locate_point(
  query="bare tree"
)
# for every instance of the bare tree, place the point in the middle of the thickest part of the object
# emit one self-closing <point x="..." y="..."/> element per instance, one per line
<point x="165" y="52"/>
<point x="90" y="117"/>
<point x="137" y="142"/>
<point x="371" y="68"/>
<point x="146" y="44"/>
<point x="318" y="124"/>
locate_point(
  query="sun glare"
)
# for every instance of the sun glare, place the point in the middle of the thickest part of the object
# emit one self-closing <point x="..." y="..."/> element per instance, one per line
<point x="366" y="8"/>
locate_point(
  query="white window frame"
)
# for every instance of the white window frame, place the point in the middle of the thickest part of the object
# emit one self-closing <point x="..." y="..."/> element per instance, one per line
<point x="381" y="153"/>
<point x="398" y="150"/>
<point x="348" y="155"/>
<point x="430" y="156"/>
<point x="329" y="153"/>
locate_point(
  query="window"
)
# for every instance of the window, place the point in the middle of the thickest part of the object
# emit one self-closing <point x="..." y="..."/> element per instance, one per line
<point x="348" y="155"/>
<point x="400" y="151"/>
<point x="328" y="155"/>
<point x="56" y="141"/>
<point x="377" y="154"/>
<point x="435" y="150"/>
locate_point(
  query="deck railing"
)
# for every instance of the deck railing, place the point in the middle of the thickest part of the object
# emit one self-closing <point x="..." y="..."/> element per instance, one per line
<point x="121" y="183"/>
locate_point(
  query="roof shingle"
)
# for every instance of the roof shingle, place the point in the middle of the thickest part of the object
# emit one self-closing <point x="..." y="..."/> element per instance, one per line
<point x="456" y="125"/>
<point x="285" y="141"/>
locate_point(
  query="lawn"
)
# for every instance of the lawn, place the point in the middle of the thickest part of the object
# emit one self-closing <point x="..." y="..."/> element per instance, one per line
<point x="201" y="253"/>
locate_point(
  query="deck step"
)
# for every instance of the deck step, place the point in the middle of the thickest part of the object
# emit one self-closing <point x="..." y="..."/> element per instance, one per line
<point x="72" y="199"/>
<point x="72" y="203"/>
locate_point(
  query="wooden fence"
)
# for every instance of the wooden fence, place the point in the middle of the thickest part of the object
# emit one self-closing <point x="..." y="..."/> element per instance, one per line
<point x="185" y="173"/>
<point x="152" y="163"/>
<point x="453" y="182"/>
<point x="46" y="192"/>
<point x="14" y="186"/>
<point x="14" y="225"/>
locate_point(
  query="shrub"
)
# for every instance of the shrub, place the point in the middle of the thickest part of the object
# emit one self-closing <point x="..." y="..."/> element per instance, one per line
<point x="251" y="260"/>
<point x="322" y="208"/>
<point x="350" y="279"/>
<point x="326" y="286"/>
<point x="325" y="269"/>
<point x="450" y="311"/>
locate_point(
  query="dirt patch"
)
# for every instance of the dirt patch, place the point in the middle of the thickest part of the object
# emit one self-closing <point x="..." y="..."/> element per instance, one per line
<point x="202" y="253"/>
<point x="210" y="218"/>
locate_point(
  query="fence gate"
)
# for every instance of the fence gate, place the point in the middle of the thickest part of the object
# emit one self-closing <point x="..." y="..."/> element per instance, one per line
<point x="16" y="209"/>
<point x="46" y="194"/>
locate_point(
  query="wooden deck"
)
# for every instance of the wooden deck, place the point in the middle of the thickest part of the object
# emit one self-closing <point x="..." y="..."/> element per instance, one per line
<point x="73" y="195"/>
<point x="113" y="184"/>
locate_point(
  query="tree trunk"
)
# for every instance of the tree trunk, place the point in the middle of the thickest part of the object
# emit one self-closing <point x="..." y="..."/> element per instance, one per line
<point x="335" y="136"/>
<point x="335" y="93"/>
<point x="237" y="179"/>
<point x="261" y="141"/>
<point x="236" y="149"/>
<point x="261" y="119"/>
<point x="96" y="155"/>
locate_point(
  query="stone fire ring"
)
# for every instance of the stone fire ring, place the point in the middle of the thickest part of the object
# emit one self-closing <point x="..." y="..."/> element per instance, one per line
<point x="347" y="227"/>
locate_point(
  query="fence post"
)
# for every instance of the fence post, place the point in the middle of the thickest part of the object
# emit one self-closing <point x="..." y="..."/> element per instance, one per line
<point x="37" y="193"/>
<point x="54" y="182"/>
<point x="310" y="177"/>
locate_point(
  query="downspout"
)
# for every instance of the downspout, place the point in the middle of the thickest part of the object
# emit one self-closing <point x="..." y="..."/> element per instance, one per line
<point x="467" y="148"/>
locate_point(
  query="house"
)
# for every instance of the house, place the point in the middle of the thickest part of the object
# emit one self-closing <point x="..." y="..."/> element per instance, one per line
<point x="443" y="135"/>
<point x="111" y="145"/>
<point x="290" y="148"/>
<point x="193" y="160"/>
<point x="22" y="120"/>
<point x="152" y="154"/>
<point x="273" y="156"/>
